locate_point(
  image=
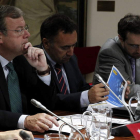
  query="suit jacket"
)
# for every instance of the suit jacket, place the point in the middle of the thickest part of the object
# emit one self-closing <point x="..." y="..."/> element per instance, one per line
<point x="30" y="86"/>
<point x="76" y="82"/>
<point x="112" y="53"/>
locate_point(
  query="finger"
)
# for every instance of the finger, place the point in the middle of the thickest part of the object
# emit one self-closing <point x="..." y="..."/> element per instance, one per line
<point x="40" y="128"/>
<point x="104" y="98"/>
<point x="100" y="94"/>
<point x="33" y="53"/>
<point x="126" y="97"/>
<point x="52" y="119"/>
<point x="128" y="82"/>
<point x="100" y="85"/>
<point x="29" y="53"/>
<point x="43" y="126"/>
<point x="38" y="52"/>
<point x="97" y="89"/>
<point x="27" y="45"/>
<point x="16" y="138"/>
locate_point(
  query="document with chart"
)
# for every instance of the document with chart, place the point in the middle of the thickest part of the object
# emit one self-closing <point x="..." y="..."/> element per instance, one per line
<point x="118" y="84"/>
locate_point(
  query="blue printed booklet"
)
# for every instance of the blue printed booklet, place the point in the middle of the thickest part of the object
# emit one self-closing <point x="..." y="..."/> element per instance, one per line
<point x="118" y="84"/>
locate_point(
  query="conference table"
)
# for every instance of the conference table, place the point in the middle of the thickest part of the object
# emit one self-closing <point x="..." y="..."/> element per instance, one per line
<point x="63" y="113"/>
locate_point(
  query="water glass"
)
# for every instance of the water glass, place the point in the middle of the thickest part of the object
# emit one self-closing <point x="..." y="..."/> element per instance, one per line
<point x="104" y="115"/>
<point x="54" y="136"/>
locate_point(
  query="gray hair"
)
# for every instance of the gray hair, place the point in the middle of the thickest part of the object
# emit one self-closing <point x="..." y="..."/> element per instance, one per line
<point x="8" y="11"/>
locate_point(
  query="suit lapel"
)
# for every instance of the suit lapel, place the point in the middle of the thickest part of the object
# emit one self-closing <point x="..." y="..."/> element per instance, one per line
<point x="137" y="76"/>
<point x="3" y="86"/>
<point x="54" y="77"/>
<point x="70" y="77"/>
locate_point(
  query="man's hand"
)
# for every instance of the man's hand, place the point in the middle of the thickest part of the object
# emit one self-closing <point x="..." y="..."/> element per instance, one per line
<point x="97" y="93"/>
<point x="14" y="134"/>
<point x="40" y="122"/>
<point x="127" y="92"/>
<point x="36" y="57"/>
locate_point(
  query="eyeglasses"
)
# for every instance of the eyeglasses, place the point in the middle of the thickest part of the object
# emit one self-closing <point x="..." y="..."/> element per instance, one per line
<point x="20" y="31"/>
<point x="134" y="46"/>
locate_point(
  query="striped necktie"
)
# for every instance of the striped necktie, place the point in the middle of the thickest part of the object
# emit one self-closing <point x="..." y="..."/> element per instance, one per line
<point x="13" y="89"/>
<point x="61" y="81"/>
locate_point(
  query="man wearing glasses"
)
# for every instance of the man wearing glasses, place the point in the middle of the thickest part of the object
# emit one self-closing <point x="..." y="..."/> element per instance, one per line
<point x="19" y="81"/>
<point x="123" y="52"/>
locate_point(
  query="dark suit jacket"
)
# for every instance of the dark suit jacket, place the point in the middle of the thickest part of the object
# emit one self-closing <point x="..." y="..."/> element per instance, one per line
<point x="76" y="82"/>
<point x="31" y="87"/>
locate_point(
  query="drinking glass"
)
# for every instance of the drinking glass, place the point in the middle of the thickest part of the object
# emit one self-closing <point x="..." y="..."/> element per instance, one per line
<point x="103" y="114"/>
<point x="88" y="120"/>
<point x="138" y="102"/>
<point x="54" y="136"/>
<point x="81" y="122"/>
<point x="73" y="134"/>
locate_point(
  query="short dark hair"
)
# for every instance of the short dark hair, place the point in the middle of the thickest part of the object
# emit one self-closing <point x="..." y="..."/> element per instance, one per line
<point x="57" y="22"/>
<point x="8" y="11"/>
<point x="130" y="23"/>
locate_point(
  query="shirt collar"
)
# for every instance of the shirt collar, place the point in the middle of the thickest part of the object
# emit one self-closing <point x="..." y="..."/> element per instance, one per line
<point x="130" y="57"/>
<point x="49" y="58"/>
<point x="3" y="61"/>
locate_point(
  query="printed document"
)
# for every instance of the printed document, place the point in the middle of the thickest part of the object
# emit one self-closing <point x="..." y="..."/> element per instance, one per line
<point x="118" y="85"/>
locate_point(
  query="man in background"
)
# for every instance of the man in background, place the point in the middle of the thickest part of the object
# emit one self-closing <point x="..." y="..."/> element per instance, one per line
<point x="59" y="37"/>
<point x="19" y="82"/>
<point x="123" y="52"/>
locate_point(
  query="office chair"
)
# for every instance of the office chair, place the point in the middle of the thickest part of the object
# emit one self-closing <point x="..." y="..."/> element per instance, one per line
<point x="86" y="58"/>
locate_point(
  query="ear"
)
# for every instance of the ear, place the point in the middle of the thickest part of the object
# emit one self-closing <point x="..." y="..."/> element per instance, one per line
<point x="45" y="43"/>
<point x="121" y="40"/>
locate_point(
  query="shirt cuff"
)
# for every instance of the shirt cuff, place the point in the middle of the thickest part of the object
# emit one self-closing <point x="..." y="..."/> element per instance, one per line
<point x="21" y="121"/>
<point x="84" y="99"/>
<point x="46" y="79"/>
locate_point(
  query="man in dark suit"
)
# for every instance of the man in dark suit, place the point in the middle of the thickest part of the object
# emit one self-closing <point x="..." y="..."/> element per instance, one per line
<point x="59" y="37"/>
<point x="19" y="83"/>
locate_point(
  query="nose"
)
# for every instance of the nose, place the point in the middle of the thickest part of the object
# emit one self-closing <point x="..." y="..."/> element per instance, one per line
<point x="26" y="34"/>
<point x="70" y="51"/>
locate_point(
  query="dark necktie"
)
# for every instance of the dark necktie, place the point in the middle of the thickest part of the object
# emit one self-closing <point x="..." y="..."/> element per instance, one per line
<point x="132" y="60"/>
<point x="61" y="81"/>
<point x="13" y="89"/>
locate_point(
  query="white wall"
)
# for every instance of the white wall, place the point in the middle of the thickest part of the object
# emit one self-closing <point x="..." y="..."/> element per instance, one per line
<point x="103" y="25"/>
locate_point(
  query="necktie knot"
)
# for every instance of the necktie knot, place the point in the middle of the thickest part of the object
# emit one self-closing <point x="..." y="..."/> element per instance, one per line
<point x="10" y="66"/>
<point x="58" y="66"/>
<point x="132" y="61"/>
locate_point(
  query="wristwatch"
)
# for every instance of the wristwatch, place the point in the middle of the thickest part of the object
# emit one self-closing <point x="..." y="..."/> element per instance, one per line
<point x="44" y="72"/>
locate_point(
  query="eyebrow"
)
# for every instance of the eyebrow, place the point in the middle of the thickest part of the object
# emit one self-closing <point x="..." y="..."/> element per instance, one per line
<point x="70" y="45"/>
<point x="133" y="44"/>
<point x="21" y="26"/>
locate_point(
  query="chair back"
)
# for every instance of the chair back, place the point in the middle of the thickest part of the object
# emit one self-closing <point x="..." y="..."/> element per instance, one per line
<point x="86" y="58"/>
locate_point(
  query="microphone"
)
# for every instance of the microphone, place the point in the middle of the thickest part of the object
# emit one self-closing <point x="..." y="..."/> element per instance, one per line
<point x="100" y="79"/>
<point x="39" y="105"/>
<point x="24" y="135"/>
